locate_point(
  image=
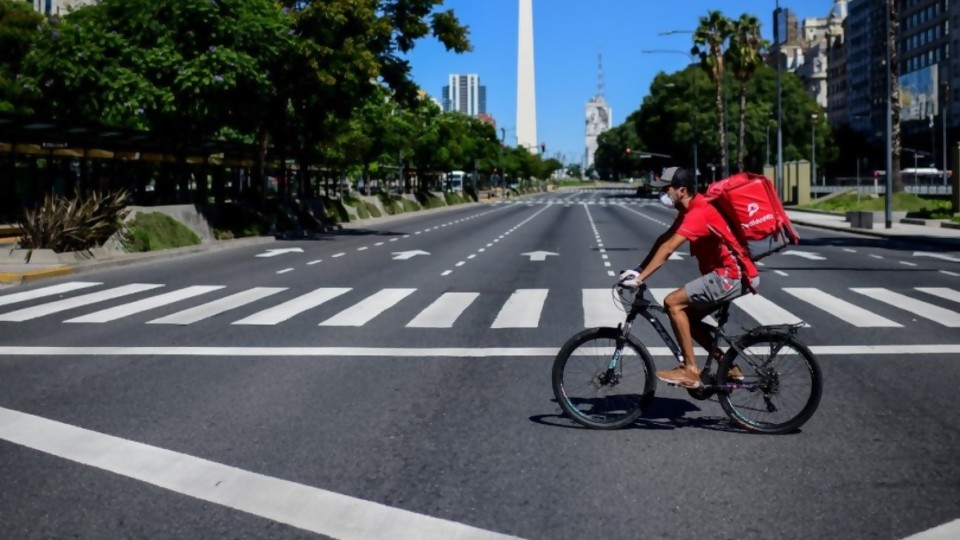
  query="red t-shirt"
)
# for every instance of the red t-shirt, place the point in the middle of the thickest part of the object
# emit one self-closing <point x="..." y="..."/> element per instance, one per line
<point x="709" y="249"/>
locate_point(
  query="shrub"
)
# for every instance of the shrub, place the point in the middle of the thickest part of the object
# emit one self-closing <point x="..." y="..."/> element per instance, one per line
<point x="410" y="206"/>
<point x="80" y="223"/>
<point x="153" y="231"/>
<point x="429" y="200"/>
<point x="371" y="209"/>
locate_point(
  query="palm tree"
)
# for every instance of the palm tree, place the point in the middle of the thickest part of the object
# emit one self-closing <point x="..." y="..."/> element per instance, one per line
<point x="897" y="180"/>
<point x="708" y="42"/>
<point x="743" y="58"/>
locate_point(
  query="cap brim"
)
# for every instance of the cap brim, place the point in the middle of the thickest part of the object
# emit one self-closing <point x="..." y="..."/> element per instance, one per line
<point x="659" y="183"/>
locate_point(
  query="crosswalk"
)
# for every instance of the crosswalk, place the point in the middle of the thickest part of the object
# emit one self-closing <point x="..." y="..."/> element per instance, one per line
<point x="77" y="302"/>
<point x="563" y="201"/>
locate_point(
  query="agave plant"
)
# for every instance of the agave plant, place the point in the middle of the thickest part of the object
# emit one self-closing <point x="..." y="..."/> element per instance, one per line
<point x="79" y="223"/>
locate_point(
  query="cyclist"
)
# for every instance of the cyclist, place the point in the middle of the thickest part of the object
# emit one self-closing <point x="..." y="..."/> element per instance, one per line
<point x="725" y="276"/>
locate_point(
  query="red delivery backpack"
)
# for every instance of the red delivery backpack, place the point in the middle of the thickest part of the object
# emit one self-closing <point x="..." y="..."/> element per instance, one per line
<point x="750" y="204"/>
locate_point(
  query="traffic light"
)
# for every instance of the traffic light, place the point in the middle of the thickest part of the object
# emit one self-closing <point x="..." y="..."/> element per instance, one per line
<point x="628" y="150"/>
<point x="543" y="148"/>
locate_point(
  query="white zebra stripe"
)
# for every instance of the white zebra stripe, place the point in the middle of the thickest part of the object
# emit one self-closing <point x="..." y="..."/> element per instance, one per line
<point x="942" y="292"/>
<point x="46" y="291"/>
<point x="125" y="310"/>
<point x="291" y="308"/>
<point x="841" y="309"/>
<point x="364" y="311"/>
<point x="522" y="309"/>
<point x="26" y="314"/>
<point x="932" y="312"/>
<point x="211" y="309"/>
<point x="444" y="311"/>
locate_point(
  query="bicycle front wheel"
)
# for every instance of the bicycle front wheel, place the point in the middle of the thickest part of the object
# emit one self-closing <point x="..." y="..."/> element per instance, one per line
<point x="600" y="385"/>
<point x="780" y="386"/>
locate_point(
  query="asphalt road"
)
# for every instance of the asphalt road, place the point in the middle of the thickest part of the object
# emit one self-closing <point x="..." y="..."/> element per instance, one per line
<point x="233" y="394"/>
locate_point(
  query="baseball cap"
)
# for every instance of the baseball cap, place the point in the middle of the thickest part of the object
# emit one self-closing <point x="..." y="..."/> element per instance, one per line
<point x="678" y="177"/>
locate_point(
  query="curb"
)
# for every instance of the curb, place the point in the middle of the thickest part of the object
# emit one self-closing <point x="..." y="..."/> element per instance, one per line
<point x="934" y="241"/>
<point x="17" y="278"/>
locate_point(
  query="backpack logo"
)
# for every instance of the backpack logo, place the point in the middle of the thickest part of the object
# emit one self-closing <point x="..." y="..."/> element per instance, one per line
<point x="752" y="209"/>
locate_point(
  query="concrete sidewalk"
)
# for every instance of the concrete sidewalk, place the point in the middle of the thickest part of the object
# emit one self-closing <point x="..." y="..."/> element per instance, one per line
<point x="16" y="273"/>
<point x="924" y="234"/>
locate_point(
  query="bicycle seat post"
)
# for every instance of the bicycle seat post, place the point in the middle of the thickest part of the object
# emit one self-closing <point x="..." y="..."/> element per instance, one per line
<point x="722" y="315"/>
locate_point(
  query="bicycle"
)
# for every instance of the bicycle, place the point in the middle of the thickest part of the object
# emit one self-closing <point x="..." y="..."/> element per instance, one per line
<point x="766" y="387"/>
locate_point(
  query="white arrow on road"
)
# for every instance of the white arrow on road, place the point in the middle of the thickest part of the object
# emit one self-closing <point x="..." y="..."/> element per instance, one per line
<point x="935" y="256"/>
<point x="675" y="257"/>
<point x="538" y="255"/>
<point x="275" y="252"/>
<point x="404" y="255"/>
<point x="806" y="255"/>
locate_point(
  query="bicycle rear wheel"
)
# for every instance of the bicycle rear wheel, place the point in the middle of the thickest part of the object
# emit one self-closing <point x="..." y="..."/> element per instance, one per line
<point x="781" y="384"/>
<point x="593" y="394"/>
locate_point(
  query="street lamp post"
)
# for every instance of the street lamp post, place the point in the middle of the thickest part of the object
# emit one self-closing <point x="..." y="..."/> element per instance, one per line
<point x="888" y="200"/>
<point x="779" y="39"/>
<point x="813" y="149"/>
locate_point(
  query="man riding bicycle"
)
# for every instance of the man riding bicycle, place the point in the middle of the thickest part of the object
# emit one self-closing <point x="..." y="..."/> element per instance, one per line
<point x="724" y="275"/>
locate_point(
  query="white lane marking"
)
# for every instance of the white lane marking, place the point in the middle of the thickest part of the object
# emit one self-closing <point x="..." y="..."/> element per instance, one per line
<point x="764" y="311"/>
<point x="606" y="264"/>
<point x="132" y="308"/>
<point x="876" y="256"/>
<point x="599" y="309"/>
<point x="481" y="250"/>
<point x="418" y="232"/>
<point x="841" y="309"/>
<point x="46" y="291"/>
<point x="490" y="245"/>
<point x="393" y="352"/>
<point x="781" y="273"/>
<point x="291" y="308"/>
<point x="932" y="312"/>
<point x="378" y="244"/>
<point x="471" y="256"/>
<point x="907" y="263"/>
<point x="335" y="255"/>
<point x="461" y="263"/>
<point x="394" y="239"/>
<point x="318" y="261"/>
<point x="446" y="272"/>
<point x="610" y="272"/>
<point x="848" y="250"/>
<point x="285" y="270"/>
<point x="947" y="531"/>
<point x="211" y="309"/>
<point x="603" y="256"/>
<point x="57" y="306"/>
<point x="406" y="236"/>
<point x="522" y="309"/>
<point x="444" y="311"/>
<point x="949" y="273"/>
<point x="362" y="248"/>
<point x="942" y="292"/>
<point x="298" y="505"/>
<point x="365" y="310"/>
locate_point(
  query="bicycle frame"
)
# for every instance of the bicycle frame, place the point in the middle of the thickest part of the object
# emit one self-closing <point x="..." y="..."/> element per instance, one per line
<point x="642" y="306"/>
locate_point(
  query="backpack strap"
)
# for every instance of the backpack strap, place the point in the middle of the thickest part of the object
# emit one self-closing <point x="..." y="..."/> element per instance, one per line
<point x="739" y="254"/>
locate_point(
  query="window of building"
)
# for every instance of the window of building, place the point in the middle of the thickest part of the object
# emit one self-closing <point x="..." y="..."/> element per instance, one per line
<point x="936" y="56"/>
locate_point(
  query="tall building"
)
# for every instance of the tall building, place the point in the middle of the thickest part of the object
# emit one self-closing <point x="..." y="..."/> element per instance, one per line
<point x="58" y="7"/>
<point x="865" y="41"/>
<point x="464" y="94"/>
<point x="819" y="35"/>
<point x="526" y="83"/>
<point x="599" y="117"/>
<point x="924" y="62"/>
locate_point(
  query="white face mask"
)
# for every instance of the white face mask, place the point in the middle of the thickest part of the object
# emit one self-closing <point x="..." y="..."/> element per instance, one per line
<point x="666" y="200"/>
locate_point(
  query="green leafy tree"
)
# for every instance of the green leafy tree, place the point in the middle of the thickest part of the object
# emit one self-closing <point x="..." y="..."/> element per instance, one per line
<point x="575" y="170"/>
<point x="20" y="25"/>
<point x="709" y="40"/>
<point x="743" y="58"/>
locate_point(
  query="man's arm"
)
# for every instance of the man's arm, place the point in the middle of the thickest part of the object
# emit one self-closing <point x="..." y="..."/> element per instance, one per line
<point x="660" y="256"/>
<point x="670" y="233"/>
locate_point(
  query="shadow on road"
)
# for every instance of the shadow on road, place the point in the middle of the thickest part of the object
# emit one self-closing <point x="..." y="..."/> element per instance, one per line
<point x="663" y="414"/>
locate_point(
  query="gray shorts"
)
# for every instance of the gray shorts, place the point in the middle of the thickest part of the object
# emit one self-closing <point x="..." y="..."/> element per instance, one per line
<point x="706" y="293"/>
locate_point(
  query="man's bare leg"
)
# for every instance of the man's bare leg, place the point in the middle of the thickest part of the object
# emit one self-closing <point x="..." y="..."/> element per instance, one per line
<point x="677" y="303"/>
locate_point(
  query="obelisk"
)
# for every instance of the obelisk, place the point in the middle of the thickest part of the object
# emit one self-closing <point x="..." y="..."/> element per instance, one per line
<point x="526" y="85"/>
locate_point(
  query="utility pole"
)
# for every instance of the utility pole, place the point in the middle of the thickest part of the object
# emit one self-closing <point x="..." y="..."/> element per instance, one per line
<point x="888" y="200"/>
<point x="779" y="39"/>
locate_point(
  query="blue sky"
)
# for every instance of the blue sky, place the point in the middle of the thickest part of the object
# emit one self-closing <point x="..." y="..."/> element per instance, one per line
<point x="568" y="35"/>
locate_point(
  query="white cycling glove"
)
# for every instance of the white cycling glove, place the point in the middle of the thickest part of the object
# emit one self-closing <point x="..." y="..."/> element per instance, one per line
<point x="630" y="279"/>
